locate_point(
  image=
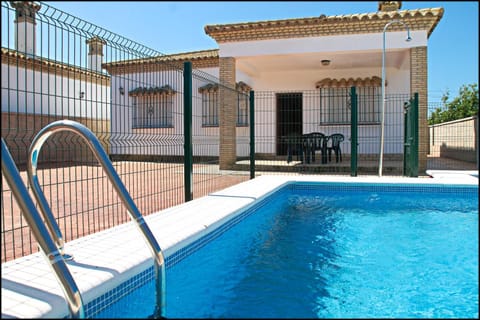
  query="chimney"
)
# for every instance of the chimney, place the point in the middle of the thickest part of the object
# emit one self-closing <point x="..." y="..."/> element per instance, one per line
<point x="95" y="53"/>
<point x="389" y="5"/>
<point x="25" y="25"/>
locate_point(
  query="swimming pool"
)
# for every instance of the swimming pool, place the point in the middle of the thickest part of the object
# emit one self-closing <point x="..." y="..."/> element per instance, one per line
<point x="329" y="250"/>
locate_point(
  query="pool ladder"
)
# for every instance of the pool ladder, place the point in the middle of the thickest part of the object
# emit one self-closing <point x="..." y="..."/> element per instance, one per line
<point x="52" y="244"/>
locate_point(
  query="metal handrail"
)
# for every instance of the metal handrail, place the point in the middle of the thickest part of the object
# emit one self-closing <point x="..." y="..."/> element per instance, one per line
<point x="97" y="149"/>
<point x="49" y="218"/>
<point x="45" y="241"/>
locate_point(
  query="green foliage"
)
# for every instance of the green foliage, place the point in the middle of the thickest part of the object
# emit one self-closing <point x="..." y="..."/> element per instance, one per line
<point x="463" y="106"/>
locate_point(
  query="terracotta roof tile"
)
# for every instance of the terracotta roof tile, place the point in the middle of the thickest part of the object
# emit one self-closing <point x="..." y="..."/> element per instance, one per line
<point x="141" y="91"/>
<point x="350" y="82"/>
<point x="212" y="87"/>
<point x="419" y="19"/>
<point x="203" y="58"/>
<point x="48" y="65"/>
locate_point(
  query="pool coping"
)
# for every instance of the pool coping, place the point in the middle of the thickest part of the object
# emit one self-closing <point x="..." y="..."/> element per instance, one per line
<point x="108" y="258"/>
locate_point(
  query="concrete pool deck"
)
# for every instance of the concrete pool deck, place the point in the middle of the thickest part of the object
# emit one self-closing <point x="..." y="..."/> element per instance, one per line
<point x="108" y="258"/>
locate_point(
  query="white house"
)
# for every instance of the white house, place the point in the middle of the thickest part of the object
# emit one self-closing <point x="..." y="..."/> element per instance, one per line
<point x="147" y="100"/>
<point x="309" y="60"/>
<point x="300" y="69"/>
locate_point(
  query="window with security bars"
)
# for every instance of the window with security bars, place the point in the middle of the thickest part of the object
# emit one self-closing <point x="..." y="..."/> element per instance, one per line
<point x="335" y="105"/>
<point x="153" y="111"/>
<point x="210" y="108"/>
<point x="242" y="110"/>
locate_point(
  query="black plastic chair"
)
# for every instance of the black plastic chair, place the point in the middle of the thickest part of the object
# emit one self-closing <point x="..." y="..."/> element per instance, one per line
<point x="307" y="145"/>
<point x="334" y="141"/>
<point x="316" y="141"/>
<point x="294" y="143"/>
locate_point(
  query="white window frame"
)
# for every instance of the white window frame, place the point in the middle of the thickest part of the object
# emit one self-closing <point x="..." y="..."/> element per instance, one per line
<point x="153" y="111"/>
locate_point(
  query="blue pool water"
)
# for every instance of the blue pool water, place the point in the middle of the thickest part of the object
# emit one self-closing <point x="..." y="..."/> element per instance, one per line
<point x="331" y="251"/>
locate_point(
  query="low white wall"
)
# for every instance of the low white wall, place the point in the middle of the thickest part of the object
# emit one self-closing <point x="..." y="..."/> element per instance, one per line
<point x="455" y="139"/>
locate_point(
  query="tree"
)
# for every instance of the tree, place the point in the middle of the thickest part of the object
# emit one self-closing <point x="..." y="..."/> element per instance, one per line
<point x="463" y="106"/>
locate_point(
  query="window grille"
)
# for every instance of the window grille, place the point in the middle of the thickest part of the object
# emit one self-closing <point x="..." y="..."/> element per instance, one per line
<point x="242" y="110"/>
<point x="210" y="108"/>
<point x="153" y="111"/>
<point x="335" y="105"/>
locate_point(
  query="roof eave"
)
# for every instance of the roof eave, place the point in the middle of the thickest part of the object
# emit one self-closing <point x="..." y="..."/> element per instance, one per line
<point x="421" y="19"/>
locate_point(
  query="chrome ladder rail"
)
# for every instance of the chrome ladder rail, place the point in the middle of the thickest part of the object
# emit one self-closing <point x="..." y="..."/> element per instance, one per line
<point x="102" y="157"/>
<point x="49" y="249"/>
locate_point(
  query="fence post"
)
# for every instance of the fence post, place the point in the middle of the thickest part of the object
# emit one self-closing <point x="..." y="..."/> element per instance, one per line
<point x="415" y="135"/>
<point x="354" y="132"/>
<point x="410" y="147"/>
<point x="187" y="130"/>
<point x="475" y="136"/>
<point x="252" y="134"/>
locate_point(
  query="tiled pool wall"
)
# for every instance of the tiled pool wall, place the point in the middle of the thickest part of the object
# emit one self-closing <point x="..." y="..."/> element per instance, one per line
<point x="385" y="187"/>
<point x="102" y="302"/>
<point x="105" y="300"/>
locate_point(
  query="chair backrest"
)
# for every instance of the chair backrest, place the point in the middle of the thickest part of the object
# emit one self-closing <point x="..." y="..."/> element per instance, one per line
<point x="293" y="139"/>
<point x="336" y="138"/>
<point x="307" y="140"/>
<point x="318" y="139"/>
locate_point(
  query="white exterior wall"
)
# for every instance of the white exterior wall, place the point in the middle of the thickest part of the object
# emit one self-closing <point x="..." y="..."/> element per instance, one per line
<point x="300" y="81"/>
<point x="206" y="139"/>
<point x="272" y="81"/>
<point x="26" y="91"/>
<point x="329" y="44"/>
<point x="398" y="82"/>
<point x="122" y="115"/>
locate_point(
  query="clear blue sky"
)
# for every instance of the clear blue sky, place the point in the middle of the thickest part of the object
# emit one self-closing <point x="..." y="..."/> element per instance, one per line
<point x="177" y="26"/>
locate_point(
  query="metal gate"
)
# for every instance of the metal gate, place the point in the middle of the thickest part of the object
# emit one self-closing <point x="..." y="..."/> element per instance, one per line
<point x="410" y="146"/>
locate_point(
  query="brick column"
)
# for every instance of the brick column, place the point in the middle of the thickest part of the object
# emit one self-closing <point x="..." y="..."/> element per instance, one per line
<point x="228" y="113"/>
<point x="418" y="83"/>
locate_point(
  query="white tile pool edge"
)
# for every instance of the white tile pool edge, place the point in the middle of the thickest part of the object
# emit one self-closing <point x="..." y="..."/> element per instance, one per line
<point x="107" y="259"/>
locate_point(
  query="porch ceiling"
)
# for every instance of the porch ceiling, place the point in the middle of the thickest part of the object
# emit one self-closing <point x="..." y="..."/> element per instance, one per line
<point x="312" y="61"/>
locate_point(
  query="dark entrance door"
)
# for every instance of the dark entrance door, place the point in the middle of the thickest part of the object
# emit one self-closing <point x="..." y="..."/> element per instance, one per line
<point x="289" y="118"/>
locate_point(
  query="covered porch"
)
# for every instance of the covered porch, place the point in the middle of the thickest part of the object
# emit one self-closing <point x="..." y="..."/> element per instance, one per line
<point x="305" y="59"/>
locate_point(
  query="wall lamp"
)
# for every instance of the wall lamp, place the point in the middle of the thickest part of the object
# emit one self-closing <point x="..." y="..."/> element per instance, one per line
<point x="121" y="90"/>
<point x="82" y="95"/>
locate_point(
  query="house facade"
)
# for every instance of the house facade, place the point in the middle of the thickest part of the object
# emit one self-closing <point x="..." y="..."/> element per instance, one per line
<point x="147" y="99"/>
<point x="308" y="57"/>
<point x="38" y="90"/>
<point x="301" y="71"/>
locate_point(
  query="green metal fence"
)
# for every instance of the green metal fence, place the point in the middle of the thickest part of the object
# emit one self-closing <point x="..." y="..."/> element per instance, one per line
<point x="282" y="116"/>
<point x="57" y="66"/>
